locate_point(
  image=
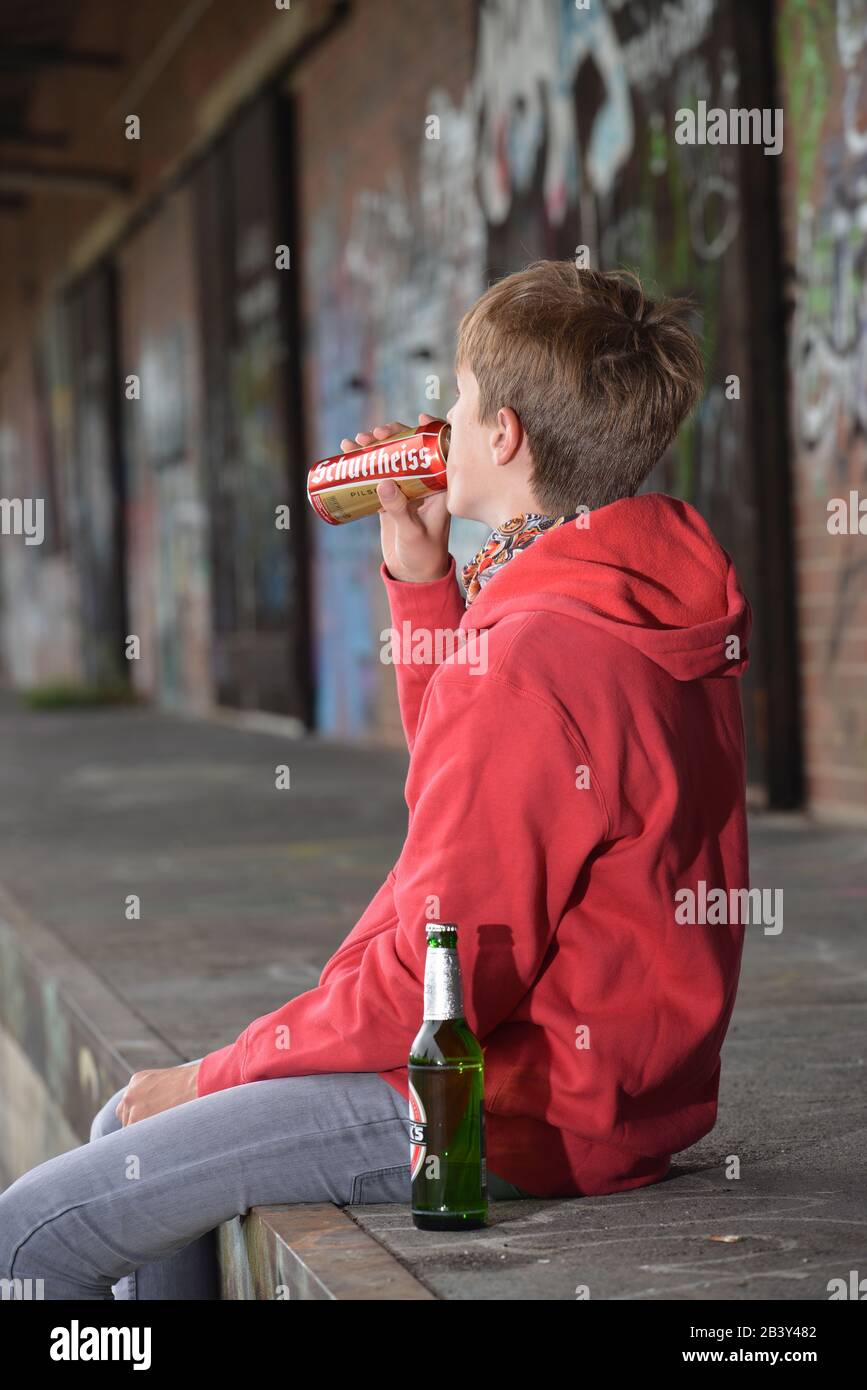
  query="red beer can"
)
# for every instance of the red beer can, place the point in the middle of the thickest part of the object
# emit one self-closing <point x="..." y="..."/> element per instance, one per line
<point x="343" y="488"/>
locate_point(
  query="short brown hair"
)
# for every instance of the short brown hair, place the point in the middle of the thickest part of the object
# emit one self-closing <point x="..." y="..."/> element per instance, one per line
<point x="600" y="376"/>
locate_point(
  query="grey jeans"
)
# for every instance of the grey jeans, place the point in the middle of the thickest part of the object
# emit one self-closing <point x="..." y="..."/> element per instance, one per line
<point x="134" y="1213"/>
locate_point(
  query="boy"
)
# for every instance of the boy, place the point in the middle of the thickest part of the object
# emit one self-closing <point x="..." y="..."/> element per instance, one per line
<point x="559" y="797"/>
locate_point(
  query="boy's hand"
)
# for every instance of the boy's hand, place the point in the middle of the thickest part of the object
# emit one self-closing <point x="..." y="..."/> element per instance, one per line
<point x="414" y="534"/>
<point x="149" y="1092"/>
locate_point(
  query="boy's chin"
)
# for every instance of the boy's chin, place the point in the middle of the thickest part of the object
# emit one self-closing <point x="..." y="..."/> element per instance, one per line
<point x="456" y="506"/>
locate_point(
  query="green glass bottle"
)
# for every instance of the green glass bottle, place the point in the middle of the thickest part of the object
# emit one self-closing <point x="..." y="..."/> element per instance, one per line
<point x="446" y="1100"/>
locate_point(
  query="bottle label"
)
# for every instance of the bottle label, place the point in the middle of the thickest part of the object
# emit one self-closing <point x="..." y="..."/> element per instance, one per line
<point x="443" y="993"/>
<point x="417" y="1132"/>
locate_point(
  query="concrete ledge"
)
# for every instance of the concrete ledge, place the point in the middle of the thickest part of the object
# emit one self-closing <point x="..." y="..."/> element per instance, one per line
<point x="309" y="1251"/>
<point x="32" y="1124"/>
<point x="58" y="1066"/>
<point x="79" y="1038"/>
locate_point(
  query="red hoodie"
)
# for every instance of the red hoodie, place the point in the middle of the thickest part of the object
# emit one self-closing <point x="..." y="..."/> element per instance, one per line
<point x="558" y="799"/>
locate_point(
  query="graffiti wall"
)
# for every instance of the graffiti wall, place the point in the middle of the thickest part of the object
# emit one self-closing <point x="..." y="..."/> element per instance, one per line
<point x="822" y="48"/>
<point x="40" y="595"/>
<point x="253" y="465"/>
<point x="576" y="156"/>
<point x="166" y="518"/>
<point x="558" y="135"/>
<point x="394" y="254"/>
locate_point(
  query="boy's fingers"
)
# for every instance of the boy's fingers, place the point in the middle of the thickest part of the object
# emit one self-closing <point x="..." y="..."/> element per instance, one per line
<point x="434" y="506"/>
<point x="383" y="431"/>
<point x="368" y="436"/>
<point x="392" y="500"/>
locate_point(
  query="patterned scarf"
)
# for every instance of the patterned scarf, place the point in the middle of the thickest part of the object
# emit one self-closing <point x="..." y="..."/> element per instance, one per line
<point x="504" y="542"/>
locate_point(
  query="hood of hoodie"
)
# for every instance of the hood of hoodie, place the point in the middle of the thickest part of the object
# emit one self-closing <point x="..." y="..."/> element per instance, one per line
<point x="648" y="570"/>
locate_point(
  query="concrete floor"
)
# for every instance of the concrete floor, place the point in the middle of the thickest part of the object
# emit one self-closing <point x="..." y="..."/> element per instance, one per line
<point x="246" y="890"/>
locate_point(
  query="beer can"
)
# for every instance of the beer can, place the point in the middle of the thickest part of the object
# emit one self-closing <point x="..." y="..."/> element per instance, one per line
<point x="343" y="487"/>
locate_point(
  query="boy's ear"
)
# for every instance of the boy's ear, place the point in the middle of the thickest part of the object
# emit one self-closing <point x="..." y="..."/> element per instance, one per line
<point x="507" y="434"/>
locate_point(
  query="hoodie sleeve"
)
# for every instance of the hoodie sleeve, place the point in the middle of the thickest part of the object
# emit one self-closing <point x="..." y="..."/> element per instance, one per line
<point x="483" y="851"/>
<point x="416" y="610"/>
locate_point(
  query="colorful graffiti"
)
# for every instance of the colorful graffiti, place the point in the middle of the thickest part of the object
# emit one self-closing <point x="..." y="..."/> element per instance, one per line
<point x="823" y="48"/>
<point x="564" y="137"/>
<point x="388" y="299"/>
<point x="167" y="523"/>
<point x="523" y="156"/>
<point x="585" y="128"/>
<point x="528" y="54"/>
<point x="637" y="198"/>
